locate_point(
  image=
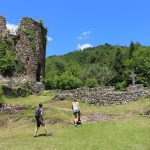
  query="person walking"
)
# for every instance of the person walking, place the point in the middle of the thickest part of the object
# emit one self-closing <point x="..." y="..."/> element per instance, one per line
<point x="39" y="120"/>
<point x="76" y="112"/>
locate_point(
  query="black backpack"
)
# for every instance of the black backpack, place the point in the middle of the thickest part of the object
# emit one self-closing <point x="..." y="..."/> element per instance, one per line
<point x="37" y="113"/>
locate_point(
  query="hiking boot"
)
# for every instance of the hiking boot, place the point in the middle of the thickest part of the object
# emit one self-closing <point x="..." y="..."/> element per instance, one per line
<point x="49" y="133"/>
<point x="35" y="135"/>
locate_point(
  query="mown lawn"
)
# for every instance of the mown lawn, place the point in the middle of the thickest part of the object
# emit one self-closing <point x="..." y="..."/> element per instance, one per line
<point x="131" y="131"/>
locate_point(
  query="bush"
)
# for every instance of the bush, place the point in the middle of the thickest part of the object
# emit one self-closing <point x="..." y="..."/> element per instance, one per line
<point x="67" y="81"/>
<point x="91" y="83"/>
<point x="1" y="97"/>
<point x="51" y="83"/>
<point x="121" y="86"/>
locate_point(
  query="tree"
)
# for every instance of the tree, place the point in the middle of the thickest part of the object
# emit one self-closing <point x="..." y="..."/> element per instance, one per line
<point x="60" y="66"/>
<point x="118" y="65"/>
<point x="74" y="68"/>
<point x="140" y="63"/>
<point x="67" y="81"/>
<point x="131" y="49"/>
<point x="105" y="75"/>
<point x="91" y="82"/>
<point x="8" y="64"/>
<point x="1" y="97"/>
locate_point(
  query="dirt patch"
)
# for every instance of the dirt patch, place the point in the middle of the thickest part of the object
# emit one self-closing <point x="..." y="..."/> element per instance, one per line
<point x="7" y="119"/>
<point x="53" y="121"/>
<point x="3" y="121"/>
<point x="99" y="117"/>
<point x="9" y="114"/>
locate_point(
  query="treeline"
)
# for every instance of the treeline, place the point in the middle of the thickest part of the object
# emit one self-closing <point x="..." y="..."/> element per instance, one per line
<point x="105" y="65"/>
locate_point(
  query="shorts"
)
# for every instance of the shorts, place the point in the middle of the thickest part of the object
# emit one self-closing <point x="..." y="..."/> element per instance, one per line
<point x="40" y="122"/>
<point x="76" y="113"/>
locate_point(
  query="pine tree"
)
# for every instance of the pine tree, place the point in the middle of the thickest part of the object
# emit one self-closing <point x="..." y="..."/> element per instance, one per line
<point x="131" y="49"/>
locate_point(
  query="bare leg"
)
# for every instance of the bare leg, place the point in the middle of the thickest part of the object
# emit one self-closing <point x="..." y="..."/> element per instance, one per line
<point x="75" y="120"/>
<point x="36" y="130"/>
<point x="47" y="132"/>
<point x="45" y="129"/>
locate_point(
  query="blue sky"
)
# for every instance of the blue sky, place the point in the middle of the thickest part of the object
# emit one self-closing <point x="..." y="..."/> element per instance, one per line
<point x="76" y="24"/>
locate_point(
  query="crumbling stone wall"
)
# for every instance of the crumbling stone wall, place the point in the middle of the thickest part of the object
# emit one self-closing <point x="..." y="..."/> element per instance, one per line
<point x="29" y="46"/>
<point x="3" y="28"/>
<point x="103" y="97"/>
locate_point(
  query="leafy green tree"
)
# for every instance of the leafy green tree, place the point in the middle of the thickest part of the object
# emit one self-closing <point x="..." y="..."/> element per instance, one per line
<point x="3" y="48"/>
<point x="8" y="64"/>
<point x="140" y="63"/>
<point x="68" y="81"/>
<point x="52" y="83"/>
<point x="92" y="71"/>
<point x="118" y="65"/>
<point x="60" y="66"/>
<point x="91" y="82"/>
<point x="74" y="68"/>
<point x="105" y="75"/>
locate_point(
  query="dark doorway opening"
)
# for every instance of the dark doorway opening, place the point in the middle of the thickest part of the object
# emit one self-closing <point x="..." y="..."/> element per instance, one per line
<point x="38" y="73"/>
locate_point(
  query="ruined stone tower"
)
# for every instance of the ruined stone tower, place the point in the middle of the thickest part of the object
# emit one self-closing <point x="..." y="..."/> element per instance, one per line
<point x="29" y="46"/>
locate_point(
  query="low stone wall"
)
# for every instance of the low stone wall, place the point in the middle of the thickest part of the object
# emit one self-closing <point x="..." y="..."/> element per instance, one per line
<point x="103" y="97"/>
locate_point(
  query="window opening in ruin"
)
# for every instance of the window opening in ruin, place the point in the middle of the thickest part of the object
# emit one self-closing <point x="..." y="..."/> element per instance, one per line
<point x="27" y="60"/>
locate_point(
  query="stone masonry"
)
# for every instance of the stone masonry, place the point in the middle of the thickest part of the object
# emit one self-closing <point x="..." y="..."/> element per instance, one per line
<point x="103" y="97"/>
<point x="30" y="47"/>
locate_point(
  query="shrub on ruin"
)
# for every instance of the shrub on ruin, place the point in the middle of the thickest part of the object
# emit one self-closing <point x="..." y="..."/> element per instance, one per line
<point x="1" y="97"/>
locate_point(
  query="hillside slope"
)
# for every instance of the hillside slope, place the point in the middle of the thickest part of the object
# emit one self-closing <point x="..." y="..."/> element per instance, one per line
<point x="104" y="65"/>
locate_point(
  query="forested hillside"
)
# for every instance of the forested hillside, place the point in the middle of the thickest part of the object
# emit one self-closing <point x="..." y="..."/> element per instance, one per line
<point x="104" y="65"/>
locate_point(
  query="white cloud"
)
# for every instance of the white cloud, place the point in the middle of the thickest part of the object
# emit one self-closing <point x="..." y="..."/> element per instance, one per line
<point x="83" y="46"/>
<point x="84" y="35"/>
<point x="49" y="39"/>
<point x="11" y="27"/>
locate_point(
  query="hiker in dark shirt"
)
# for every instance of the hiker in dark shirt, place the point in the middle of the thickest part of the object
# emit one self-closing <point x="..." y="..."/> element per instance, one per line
<point x="39" y="120"/>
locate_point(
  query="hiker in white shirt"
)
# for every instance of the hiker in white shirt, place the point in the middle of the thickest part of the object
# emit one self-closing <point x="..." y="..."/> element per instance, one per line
<point x="76" y="111"/>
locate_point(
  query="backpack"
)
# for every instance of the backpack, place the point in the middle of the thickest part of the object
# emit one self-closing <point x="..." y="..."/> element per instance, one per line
<point x="37" y="113"/>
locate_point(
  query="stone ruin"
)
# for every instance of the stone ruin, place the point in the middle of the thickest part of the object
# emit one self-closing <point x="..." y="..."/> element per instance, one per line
<point x="30" y="47"/>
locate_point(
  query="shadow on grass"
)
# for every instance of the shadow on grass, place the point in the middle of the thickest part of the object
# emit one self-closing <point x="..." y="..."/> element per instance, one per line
<point x="50" y="134"/>
<point x="42" y="135"/>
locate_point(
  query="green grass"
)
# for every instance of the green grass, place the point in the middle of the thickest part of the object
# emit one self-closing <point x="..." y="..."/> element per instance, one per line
<point x="128" y="133"/>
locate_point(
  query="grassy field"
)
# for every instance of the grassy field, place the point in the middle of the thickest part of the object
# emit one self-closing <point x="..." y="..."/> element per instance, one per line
<point x="130" y="130"/>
